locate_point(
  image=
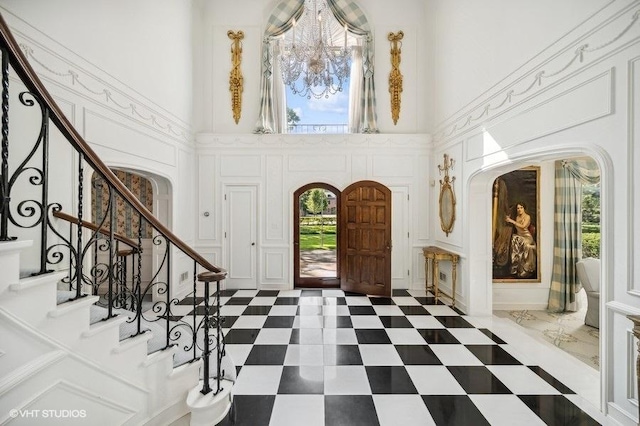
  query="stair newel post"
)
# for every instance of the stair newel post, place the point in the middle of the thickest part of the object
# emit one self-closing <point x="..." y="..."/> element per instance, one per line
<point x="112" y="251"/>
<point x="139" y="277"/>
<point x="5" y="197"/>
<point x="207" y="349"/>
<point x="79" y="271"/>
<point x="44" y="225"/>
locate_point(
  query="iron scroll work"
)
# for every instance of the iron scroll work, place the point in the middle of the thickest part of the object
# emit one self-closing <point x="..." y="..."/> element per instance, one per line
<point x="447" y="199"/>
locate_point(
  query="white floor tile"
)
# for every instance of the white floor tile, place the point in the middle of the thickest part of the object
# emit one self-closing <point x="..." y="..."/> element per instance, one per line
<point x="289" y="293"/>
<point x="311" y="301"/>
<point x="418" y="292"/>
<point x="339" y="336"/>
<point x="366" y="321"/>
<point x="405" y="410"/>
<point x="434" y="380"/>
<point x="245" y="293"/>
<point x="380" y="355"/>
<point x="358" y="301"/>
<point x="505" y="410"/>
<point x="424" y="321"/>
<point x="388" y="310"/>
<point x="283" y="311"/>
<point x="405" y="336"/>
<point x="440" y="310"/>
<point x="310" y="336"/>
<point x="258" y="380"/>
<point x="521" y="380"/>
<point x="238" y="353"/>
<point x="304" y="355"/>
<point x="471" y="336"/>
<point x="346" y="380"/>
<point x="455" y="355"/>
<point x="262" y="301"/>
<point x="405" y="301"/>
<point x="180" y="310"/>
<point x="335" y="310"/>
<point x="332" y="293"/>
<point x="250" y="321"/>
<point x="273" y="336"/>
<point x="232" y="310"/>
<point x="296" y="410"/>
<point x="308" y="322"/>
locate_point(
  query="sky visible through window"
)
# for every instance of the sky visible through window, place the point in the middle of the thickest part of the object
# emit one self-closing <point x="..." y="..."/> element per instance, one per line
<point x="331" y="110"/>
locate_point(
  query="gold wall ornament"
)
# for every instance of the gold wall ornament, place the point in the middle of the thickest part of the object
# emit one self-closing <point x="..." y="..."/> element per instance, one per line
<point x="236" y="81"/>
<point x="395" y="77"/>
<point x="447" y="200"/>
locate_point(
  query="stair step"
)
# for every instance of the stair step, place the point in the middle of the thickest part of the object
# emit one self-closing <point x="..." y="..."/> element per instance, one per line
<point x="73" y="305"/>
<point x="133" y="342"/>
<point x="104" y="325"/>
<point x="35" y="282"/>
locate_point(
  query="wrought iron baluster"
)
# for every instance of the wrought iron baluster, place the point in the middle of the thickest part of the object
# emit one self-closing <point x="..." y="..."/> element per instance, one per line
<point x="112" y="219"/>
<point x="5" y="197"/>
<point x="94" y="278"/>
<point x="206" y="388"/>
<point x="168" y="310"/>
<point x="79" y="265"/>
<point x="219" y="350"/>
<point x="44" y="225"/>
<point x="139" y="277"/>
<point x="195" y="306"/>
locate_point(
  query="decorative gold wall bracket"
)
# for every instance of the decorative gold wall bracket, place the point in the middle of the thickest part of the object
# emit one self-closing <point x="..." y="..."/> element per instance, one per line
<point x="447" y="200"/>
<point x="395" y="77"/>
<point x="236" y="81"/>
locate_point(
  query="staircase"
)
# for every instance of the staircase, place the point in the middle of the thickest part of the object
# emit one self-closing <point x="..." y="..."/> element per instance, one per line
<point x="83" y="341"/>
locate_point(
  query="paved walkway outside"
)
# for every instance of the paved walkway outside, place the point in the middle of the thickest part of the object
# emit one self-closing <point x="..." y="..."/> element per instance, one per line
<point x="318" y="263"/>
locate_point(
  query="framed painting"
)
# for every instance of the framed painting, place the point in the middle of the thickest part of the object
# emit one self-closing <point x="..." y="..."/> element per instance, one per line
<point x="516" y="226"/>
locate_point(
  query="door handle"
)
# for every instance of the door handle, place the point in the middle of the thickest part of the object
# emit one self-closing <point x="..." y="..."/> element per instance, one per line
<point x="389" y="245"/>
<point x="253" y="244"/>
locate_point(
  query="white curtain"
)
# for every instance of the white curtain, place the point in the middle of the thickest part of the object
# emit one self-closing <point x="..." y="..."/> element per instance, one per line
<point x="355" y="90"/>
<point x="279" y="95"/>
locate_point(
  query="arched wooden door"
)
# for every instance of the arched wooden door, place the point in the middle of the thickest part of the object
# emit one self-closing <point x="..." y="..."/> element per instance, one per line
<point x="365" y="238"/>
<point x="317" y="267"/>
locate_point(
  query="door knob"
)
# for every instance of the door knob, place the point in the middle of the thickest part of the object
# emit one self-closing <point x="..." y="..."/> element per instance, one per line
<point x="253" y="244"/>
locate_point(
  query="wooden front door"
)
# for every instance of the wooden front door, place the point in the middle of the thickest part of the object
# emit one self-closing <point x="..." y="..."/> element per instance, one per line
<point x="365" y="239"/>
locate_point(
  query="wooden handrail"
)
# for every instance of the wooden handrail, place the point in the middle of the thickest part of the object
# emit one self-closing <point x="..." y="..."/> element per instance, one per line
<point x="30" y="79"/>
<point x="94" y="227"/>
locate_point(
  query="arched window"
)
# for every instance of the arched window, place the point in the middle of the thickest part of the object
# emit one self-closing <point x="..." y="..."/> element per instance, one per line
<point x="311" y="43"/>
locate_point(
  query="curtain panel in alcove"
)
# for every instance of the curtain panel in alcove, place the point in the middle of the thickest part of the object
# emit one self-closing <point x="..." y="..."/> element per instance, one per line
<point x="271" y="117"/>
<point x="570" y="175"/>
<point x="280" y="21"/>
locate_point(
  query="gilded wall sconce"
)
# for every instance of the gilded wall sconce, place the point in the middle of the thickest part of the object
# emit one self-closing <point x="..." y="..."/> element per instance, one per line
<point x="395" y="77"/>
<point x="236" y="81"/>
<point x="447" y="200"/>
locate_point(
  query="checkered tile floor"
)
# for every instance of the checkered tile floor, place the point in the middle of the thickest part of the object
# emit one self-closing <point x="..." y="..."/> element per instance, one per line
<point x="323" y="357"/>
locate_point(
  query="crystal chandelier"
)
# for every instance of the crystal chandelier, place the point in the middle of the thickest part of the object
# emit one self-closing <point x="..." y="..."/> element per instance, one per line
<point x="312" y="66"/>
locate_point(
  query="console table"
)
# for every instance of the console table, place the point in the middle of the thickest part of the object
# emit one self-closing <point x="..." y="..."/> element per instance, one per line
<point x="432" y="255"/>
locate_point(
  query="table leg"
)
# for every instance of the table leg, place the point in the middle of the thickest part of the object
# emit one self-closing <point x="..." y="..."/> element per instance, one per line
<point x="454" y="267"/>
<point x="435" y="279"/>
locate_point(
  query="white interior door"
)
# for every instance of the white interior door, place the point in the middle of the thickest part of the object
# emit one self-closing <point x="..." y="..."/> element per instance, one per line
<point x="240" y="236"/>
<point x="400" y="254"/>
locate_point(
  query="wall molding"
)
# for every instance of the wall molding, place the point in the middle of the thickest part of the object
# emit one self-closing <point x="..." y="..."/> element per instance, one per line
<point x="633" y="73"/>
<point x="553" y="69"/>
<point x="53" y="67"/>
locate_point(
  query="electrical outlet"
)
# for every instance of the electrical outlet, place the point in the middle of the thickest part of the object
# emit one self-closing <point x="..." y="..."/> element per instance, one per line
<point x="443" y="276"/>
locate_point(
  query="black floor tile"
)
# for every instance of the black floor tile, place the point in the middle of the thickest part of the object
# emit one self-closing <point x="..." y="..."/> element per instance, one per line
<point x="239" y="301"/>
<point x="395" y="322"/>
<point x="241" y="336"/>
<point x="201" y="311"/>
<point x="417" y="355"/>
<point x="256" y="310"/>
<point x="492" y="336"/>
<point x="428" y="300"/>
<point x="302" y="380"/>
<point x="361" y="310"/>
<point x="266" y="355"/>
<point x="311" y="293"/>
<point x="560" y="387"/>
<point x="227" y="322"/>
<point x="337" y="322"/>
<point x="414" y="310"/>
<point x="454" y="410"/>
<point x="250" y="410"/>
<point x="556" y="410"/>
<point x="492" y="355"/>
<point x="268" y="293"/>
<point x="344" y="354"/>
<point x="190" y="301"/>
<point x="381" y="301"/>
<point x="350" y="410"/>
<point x="390" y="380"/>
<point x="400" y="293"/>
<point x="227" y="293"/>
<point x="438" y="336"/>
<point x="286" y="301"/>
<point x="372" y="336"/>
<point x="279" y="322"/>
<point x="454" y="322"/>
<point x="477" y="379"/>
